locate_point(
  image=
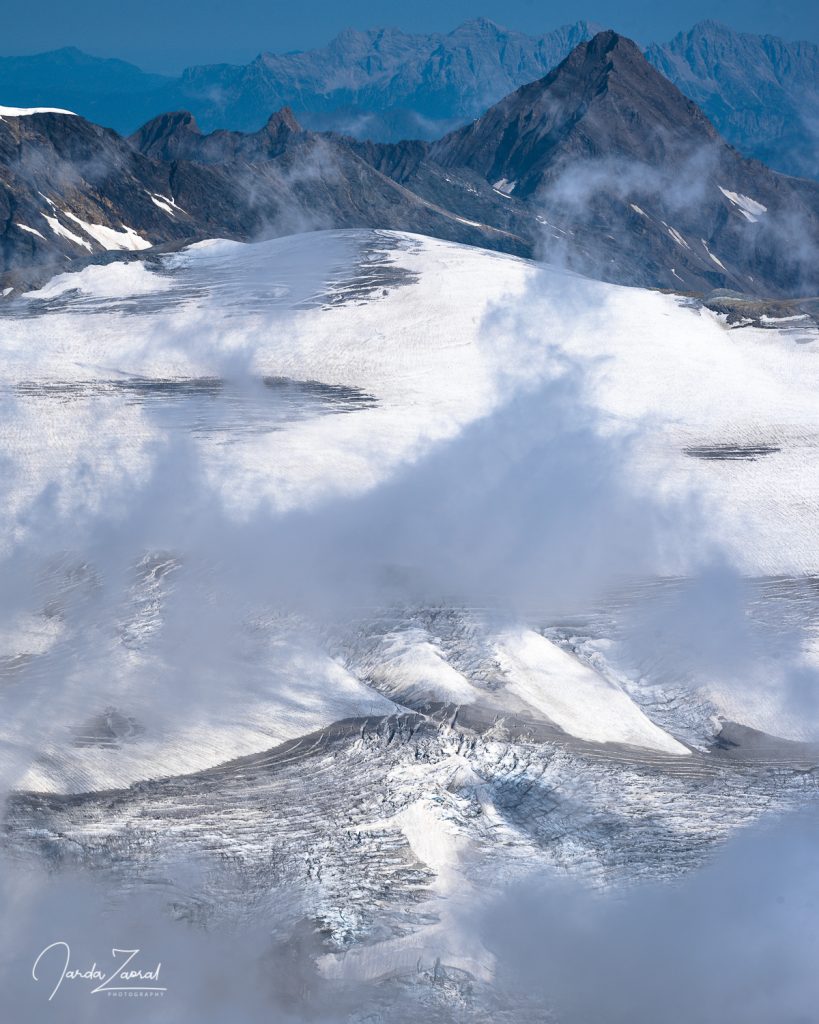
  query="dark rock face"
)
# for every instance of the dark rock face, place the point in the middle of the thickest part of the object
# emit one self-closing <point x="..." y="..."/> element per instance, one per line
<point x="382" y="84"/>
<point x="169" y="136"/>
<point x="291" y="179"/>
<point x="53" y="163"/>
<point x="761" y="92"/>
<point x="604" y="100"/>
<point x="177" y="137"/>
<point x="629" y="180"/>
<point x="70" y="190"/>
<point x="602" y="163"/>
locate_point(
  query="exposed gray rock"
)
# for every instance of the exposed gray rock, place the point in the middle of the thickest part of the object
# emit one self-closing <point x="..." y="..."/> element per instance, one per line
<point x="603" y="164"/>
<point x="761" y="92"/>
<point x="616" y="171"/>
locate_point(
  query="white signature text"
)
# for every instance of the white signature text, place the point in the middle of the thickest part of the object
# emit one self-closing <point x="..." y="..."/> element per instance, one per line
<point x="55" y="962"/>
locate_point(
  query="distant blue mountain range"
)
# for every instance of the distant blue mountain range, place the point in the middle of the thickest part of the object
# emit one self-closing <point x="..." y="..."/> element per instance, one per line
<point x="761" y="92"/>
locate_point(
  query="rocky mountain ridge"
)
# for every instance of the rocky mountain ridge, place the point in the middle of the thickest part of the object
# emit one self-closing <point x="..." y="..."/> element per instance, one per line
<point x="761" y="92"/>
<point x="602" y="164"/>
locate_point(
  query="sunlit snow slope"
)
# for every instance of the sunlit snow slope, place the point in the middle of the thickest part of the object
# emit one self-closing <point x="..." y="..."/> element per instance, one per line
<point x="296" y="386"/>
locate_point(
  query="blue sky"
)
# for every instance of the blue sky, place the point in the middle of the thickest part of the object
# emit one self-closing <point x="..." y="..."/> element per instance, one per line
<point x="166" y="35"/>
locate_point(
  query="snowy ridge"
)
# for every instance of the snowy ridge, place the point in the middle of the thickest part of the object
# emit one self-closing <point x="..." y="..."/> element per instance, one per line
<point x="387" y="404"/>
<point x="576" y="697"/>
<point x="301" y="616"/>
<point x="28" y="111"/>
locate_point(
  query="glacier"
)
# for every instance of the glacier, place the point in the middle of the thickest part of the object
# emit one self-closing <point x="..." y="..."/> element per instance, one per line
<point x="353" y="577"/>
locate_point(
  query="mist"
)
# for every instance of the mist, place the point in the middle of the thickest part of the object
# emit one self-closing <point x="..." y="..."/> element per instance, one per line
<point x="736" y="940"/>
<point x="182" y="591"/>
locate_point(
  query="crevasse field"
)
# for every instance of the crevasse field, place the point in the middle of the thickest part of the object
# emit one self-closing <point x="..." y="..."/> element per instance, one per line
<point x="356" y="582"/>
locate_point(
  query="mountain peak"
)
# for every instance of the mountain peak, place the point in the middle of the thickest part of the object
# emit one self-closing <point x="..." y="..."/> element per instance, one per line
<point x="710" y="26"/>
<point x="609" y="46"/>
<point x="165" y="135"/>
<point x="603" y="100"/>
<point x="607" y="39"/>
<point x="283" y="120"/>
<point x="174" y="121"/>
<point x="480" y="25"/>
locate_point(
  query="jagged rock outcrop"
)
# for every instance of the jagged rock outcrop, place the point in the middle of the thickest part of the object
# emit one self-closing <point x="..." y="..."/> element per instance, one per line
<point x="761" y="92"/>
<point x="71" y="190"/>
<point x="615" y="169"/>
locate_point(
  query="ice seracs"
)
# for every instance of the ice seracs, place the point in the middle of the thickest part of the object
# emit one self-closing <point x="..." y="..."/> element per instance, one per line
<point x="442" y="336"/>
